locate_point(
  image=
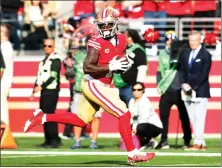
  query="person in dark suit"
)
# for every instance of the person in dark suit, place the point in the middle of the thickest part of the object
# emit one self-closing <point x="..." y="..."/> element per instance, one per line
<point x="194" y="72"/>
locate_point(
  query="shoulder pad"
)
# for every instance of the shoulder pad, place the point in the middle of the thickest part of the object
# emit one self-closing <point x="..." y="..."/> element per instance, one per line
<point x="94" y="42"/>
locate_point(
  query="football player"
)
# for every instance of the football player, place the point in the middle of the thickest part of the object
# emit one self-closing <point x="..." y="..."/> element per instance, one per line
<point x="100" y="64"/>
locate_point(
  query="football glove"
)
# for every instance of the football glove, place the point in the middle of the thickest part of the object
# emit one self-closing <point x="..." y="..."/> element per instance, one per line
<point x="119" y="65"/>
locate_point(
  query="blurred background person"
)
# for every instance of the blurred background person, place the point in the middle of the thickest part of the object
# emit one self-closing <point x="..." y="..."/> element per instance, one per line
<point x="2" y="65"/>
<point x="68" y="29"/>
<point x="205" y="9"/>
<point x="156" y="9"/>
<point x="113" y="5"/>
<point x="195" y="65"/>
<point x="6" y="81"/>
<point x="9" y="15"/>
<point x="35" y="16"/>
<point x="80" y="54"/>
<point x="170" y="90"/>
<point x="137" y="73"/>
<point x="145" y="121"/>
<point x="84" y="8"/>
<point x="48" y="83"/>
<point x="133" y="10"/>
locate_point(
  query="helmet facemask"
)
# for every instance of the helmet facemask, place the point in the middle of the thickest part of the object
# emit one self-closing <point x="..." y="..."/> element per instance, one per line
<point x="107" y="22"/>
<point x="107" y="29"/>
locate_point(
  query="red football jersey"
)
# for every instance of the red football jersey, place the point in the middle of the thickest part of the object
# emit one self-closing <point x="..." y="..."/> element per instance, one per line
<point x="107" y="52"/>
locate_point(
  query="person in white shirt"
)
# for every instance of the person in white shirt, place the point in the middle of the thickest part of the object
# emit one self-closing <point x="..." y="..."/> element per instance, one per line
<point x="36" y="15"/>
<point x="6" y="81"/>
<point x="146" y="123"/>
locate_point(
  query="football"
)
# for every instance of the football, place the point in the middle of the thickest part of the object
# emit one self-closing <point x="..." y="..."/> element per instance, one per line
<point x="125" y="60"/>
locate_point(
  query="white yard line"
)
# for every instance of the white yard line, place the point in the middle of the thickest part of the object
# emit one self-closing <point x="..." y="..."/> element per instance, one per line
<point x="20" y="156"/>
<point x="198" y="165"/>
<point x="102" y="153"/>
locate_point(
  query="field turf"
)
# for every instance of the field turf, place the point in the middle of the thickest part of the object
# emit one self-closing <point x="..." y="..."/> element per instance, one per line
<point x="108" y="155"/>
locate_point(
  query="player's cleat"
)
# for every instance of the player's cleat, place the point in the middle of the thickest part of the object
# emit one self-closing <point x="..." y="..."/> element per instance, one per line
<point x="141" y="157"/>
<point x="34" y="121"/>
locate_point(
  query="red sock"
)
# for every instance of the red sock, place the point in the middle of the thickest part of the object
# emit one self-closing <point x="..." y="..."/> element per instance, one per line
<point x="65" y="118"/>
<point x="125" y="131"/>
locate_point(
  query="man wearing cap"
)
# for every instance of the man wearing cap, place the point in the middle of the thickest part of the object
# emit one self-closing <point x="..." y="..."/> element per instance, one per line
<point x="169" y="87"/>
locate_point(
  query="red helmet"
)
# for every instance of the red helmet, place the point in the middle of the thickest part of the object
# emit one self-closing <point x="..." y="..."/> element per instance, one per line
<point x="106" y="21"/>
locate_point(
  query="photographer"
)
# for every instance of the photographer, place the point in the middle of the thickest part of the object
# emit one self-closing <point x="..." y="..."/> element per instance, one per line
<point x="194" y="71"/>
<point x="169" y="88"/>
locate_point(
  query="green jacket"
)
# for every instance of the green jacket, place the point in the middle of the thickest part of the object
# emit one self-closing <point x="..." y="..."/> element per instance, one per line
<point x="117" y="78"/>
<point x="78" y="68"/>
<point x="167" y="73"/>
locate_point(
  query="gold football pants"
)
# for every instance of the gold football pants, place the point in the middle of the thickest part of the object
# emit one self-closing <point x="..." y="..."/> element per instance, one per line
<point x="95" y="95"/>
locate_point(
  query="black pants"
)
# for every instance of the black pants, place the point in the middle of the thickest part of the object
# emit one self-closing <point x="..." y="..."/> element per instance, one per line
<point x="146" y="131"/>
<point x="167" y="100"/>
<point x="48" y="102"/>
<point x="34" y="41"/>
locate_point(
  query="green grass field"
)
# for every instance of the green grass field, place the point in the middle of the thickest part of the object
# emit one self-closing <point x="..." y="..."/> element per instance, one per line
<point x="107" y="155"/>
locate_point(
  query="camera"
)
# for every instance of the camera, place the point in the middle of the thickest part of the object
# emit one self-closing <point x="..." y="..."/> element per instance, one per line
<point x="188" y="92"/>
<point x="176" y="49"/>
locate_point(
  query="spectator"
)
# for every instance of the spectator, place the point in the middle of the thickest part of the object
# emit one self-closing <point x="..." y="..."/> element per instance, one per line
<point x="83" y="8"/>
<point x="113" y="5"/>
<point x="9" y="13"/>
<point x="6" y="81"/>
<point x="170" y="90"/>
<point x="204" y="9"/>
<point x="48" y="83"/>
<point x="36" y="16"/>
<point x="156" y="9"/>
<point x="179" y="9"/>
<point x="2" y="65"/>
<point x="136" y="53"/>
<point x="194" y="71"/>
<point x="145" y="122"/>
<point x="134" y="11"/>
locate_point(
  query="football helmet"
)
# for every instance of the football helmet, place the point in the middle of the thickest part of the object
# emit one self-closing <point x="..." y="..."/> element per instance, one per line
<point x="170" y="35"/>
<point x="106" y="21"/>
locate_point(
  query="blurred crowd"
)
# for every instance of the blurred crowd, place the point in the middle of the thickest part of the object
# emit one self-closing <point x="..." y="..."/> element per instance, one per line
<point x="33" y="21"/>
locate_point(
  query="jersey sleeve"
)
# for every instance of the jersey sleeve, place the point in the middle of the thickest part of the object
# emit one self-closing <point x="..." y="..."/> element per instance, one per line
<point x="94" y="43"/>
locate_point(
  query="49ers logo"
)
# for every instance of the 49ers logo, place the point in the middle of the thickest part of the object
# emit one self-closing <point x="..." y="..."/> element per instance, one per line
<point x="107" y="51"/>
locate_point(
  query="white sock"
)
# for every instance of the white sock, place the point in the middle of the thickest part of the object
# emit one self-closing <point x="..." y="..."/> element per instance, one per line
<point x="44" y="118"/>
<point x="133" y="152"/>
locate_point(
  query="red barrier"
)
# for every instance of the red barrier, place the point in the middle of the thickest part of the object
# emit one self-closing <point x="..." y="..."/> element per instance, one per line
<point x="21" y="108"/>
